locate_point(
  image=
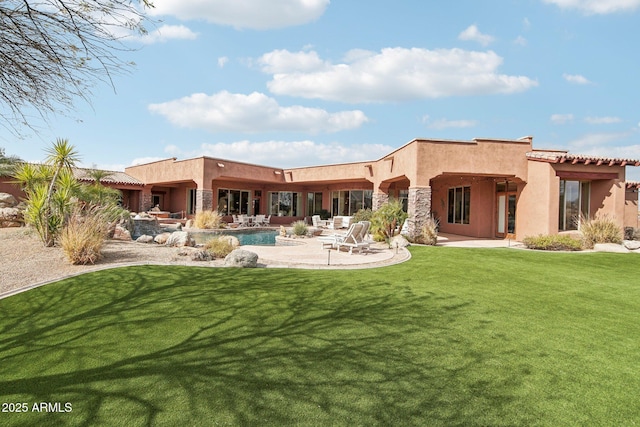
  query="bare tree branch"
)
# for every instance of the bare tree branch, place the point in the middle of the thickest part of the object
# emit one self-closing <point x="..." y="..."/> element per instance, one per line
<point x="53" y="51"/>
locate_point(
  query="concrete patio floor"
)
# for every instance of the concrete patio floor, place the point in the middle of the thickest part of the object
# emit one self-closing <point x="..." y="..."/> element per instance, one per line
<point x="308" y="253"/>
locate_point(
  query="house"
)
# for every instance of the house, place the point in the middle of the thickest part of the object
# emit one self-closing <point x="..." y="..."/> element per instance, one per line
<point x="488" y="188"/>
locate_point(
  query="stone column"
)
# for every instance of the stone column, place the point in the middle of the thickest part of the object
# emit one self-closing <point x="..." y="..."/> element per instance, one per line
<point x="146" y="200"/>
<point x="378" y="199"/>
<point x="419" y="208"/>
<point x="204" y="200"/>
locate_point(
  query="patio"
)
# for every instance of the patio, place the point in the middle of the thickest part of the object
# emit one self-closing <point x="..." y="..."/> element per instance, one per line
<point x="309" y="252"/>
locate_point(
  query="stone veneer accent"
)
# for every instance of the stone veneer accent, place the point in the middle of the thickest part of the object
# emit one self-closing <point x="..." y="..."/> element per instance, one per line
<point x="204" y="200"/>
<point x="379" y="199"/>
<point x="419" y="208"/>
<point x="146" y="202"/>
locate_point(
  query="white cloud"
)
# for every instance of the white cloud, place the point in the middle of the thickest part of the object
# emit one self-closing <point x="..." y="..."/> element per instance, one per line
<point x="256" y="112"/>
<point x="576" y="79"/>
<point x="440" y="124"/>
<point x="520" y="41"/>
<point x="526" y="24"/>
<point x="560" y="119"/>
<point x="601" y="142"/>
<point x="285" y="154"/>
<point x="473" y="34"/>
<point x="602" y="120"/>
<point x="222" y="61"/>
<point x="252" y="14"/>
<point x="592" y="7"/>
<point x="144" y="160"/>
<point x="393" y="74"/>
<point x="168" y="32"/>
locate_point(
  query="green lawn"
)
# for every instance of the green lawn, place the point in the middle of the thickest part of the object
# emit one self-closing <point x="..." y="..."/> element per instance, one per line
<point x="452" y="337"/>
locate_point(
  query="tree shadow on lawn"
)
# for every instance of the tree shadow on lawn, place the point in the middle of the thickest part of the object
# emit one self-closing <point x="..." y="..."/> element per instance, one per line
<point x="171" y="345"/>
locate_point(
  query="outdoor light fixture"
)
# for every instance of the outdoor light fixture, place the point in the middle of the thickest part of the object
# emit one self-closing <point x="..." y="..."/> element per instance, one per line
<point x="277" y="172"/>
<point x="220" y="165"/>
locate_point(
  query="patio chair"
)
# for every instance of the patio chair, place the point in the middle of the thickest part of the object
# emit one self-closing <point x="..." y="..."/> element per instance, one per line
<point x="258" y="221"/>
<point x="266" y="221"/>
<point x="364" y="234"/>
<point x="336" y="223"/>
<point x="353" y="239"/>
<point x="244" y="220"/>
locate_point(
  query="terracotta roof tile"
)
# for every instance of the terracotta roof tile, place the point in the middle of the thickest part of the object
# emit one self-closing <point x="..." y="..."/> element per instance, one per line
<point x="113" y="177"/>
<point x="564" y="157"/>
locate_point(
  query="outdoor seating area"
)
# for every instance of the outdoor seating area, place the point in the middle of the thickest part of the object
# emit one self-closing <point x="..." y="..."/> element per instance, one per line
<point x="357" y="237"/>
<point x="251" y="220"/>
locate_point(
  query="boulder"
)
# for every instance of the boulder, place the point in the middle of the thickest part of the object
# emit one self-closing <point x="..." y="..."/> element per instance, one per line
<point x="241" y="258"/>
<point x="399" y="241"/>
<point x="610" y="247"/>
<point x="179" y="238"/>
<point x="10" y="217"/>
<point x="632" y="245"/>
<point x="145" y="238"/>
<point x="233" y="240"/>
<point x="162" y="238"/>
<point x="201" y="255"/>
<point x="121" y="233"/>
<point x="7" y="201"/>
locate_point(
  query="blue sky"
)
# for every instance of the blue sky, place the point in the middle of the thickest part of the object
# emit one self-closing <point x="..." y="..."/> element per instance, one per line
<point x="303" y="82"/>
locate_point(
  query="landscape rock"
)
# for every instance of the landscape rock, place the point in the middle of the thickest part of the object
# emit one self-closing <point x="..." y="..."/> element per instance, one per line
<point x="201" y="255"/>
<point x="7" y="201"/>
<point x="233" y="240"/>
<point x="632" y="245"/>
<point x="145" y="238"/>
<point x="241" y="258"/>
<point x="610" y="247"/>
<point x="399" y="242"/>
<point x="162" y="238"/>
<point x="179" y="238"/>
<point x="10" y="217"/>
<point x="121" y="233"/>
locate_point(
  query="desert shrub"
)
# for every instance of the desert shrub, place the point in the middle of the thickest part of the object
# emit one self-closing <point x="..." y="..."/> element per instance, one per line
<point x="219" y="247"/>
<point x="553" y="242"/>
<point x="207" y="219"/>
<point x="429" y="232"/>
<point x="83" y="235"/>
<point x="387" y="219"/>
<point x="599" y="230"/>
<point x="300" y="228"/>
<point x="363" y="215"/>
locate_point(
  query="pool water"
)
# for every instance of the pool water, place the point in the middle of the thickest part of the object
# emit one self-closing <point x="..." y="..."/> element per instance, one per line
<point x="245" y="237"/>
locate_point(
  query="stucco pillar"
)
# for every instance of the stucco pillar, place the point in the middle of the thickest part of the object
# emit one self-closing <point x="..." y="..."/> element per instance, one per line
<point x="204" y="200"/>
<point x="419" y="208"/>
<point x="378" y="199"/>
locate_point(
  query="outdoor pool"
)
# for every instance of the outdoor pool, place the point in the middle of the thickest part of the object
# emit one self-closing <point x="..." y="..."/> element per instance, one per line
<point x="261" y="237"/>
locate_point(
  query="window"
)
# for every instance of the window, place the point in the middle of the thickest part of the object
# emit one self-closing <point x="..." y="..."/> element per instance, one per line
<point x="347" y="203"/>
<point x="314" y="203"/>
<point x="574" y="201"/>
<point x="191" y="201"/>
<point x="285" y="203"/>
<point x="233" y="202"/>
<point x="459" y="208"/>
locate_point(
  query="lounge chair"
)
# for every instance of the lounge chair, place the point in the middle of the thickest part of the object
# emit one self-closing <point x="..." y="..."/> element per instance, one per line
<point x="266" y="221"/>
<point x="333" y="240"/>
<point x="353" y="239"/>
